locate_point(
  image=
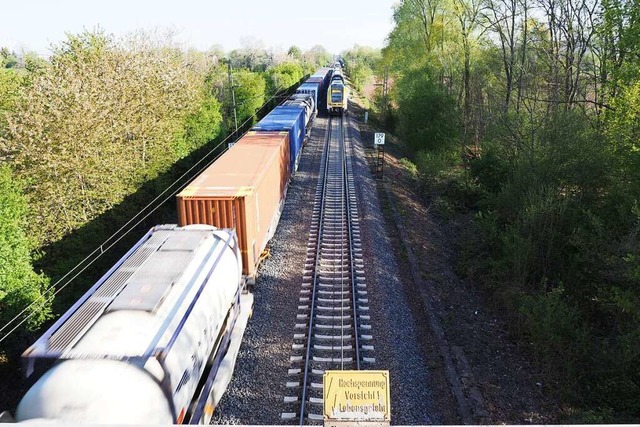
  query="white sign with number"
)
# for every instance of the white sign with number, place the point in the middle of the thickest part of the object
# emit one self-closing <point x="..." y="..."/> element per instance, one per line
<point x="379" y="138"/>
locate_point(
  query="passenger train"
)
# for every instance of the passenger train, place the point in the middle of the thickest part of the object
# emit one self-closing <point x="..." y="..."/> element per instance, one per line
<point x="337" y="93"/>
<point x="154" y="341"/>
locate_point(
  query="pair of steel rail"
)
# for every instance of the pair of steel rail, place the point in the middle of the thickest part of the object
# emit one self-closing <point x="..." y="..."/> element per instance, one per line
<point x="333" y="306"/>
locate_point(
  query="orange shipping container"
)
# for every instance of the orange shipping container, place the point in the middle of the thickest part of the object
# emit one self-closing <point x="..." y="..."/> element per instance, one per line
<point x="244" y="189"/>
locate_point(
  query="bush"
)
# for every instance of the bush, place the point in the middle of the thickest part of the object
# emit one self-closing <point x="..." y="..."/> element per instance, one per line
<point x="556" y="243"/>
<point x="558" y="336"/>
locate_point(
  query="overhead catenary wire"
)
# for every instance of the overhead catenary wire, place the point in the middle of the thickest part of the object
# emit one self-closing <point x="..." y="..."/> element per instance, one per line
<point x="108" y="243"/>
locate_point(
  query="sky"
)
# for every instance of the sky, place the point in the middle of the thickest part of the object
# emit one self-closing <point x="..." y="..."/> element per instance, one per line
<point x="33" y="25"/>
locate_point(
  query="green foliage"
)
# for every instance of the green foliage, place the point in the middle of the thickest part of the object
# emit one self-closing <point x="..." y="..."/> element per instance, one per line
<point x="11" y="83"/>
<point x="201" y="127"/>
<point x="409" y="166"/>
<point x="555" y="237"/>
<point x="427" y="114"/>
<point x="405" y="49"/>
<point x="315" y="58"/>
<point x="8" y="59"/>
<point x="250" y="93"/>
<point x="20" y="286"/>
<point x="558" y="335"/>
<point x="283" y="76"/>
<point x="433" y="164"/>
<point x="619" y="35"/>
<point x="252" y="58"/>
<point x="105" y="117"/>
<point x="295" y="53"/>
<point x="545" y="191"/>
<point x="360" y="63"/>
<point x="545" y="113"/>
<point x="623" y="133"/>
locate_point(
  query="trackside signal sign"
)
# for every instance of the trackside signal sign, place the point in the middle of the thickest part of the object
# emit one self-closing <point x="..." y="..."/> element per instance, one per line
<point x="360" y="396"/>
<point x="379" y="138"/>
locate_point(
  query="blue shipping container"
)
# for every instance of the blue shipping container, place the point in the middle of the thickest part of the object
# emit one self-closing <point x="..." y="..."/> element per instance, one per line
<point x="312" y="88"/>
<point x="291" y="119"/>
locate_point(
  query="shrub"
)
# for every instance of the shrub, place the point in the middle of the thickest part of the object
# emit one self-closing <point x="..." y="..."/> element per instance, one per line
<point x="20" y="286"/>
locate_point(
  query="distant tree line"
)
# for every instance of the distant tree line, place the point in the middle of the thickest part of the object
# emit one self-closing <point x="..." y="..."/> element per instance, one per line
<point x="525" y="113"/>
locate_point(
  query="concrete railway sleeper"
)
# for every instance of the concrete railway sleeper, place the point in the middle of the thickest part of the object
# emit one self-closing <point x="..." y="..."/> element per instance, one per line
<point x="332" y="332"/>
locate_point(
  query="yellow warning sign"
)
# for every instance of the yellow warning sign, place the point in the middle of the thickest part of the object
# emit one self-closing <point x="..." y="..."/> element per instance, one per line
<point x="356" y="396"/>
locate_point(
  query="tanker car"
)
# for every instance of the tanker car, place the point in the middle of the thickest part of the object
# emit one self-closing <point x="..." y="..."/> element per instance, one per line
<point x="145" y="344"/>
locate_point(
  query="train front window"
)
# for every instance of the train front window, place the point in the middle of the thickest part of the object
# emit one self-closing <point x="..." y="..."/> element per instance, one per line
<point x="336" y="96"/>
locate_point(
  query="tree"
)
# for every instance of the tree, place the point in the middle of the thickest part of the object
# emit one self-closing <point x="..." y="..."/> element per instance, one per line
<point x="295" y="53"/>
<point x="20" y="286"/>
<point x="467" y="12"/>
<point x="283" y="76"/>
<point x="360" y="61"/>
<point x="250" y="93"/>
<point x="317" y="57"/>
<point x="427" y="114"/>
<point x="8" y="59"/>
<point x="426" y="12"/>
<point x="105" y="117"/>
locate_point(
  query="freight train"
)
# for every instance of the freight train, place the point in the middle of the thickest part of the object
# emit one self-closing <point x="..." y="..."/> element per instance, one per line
<point x="154" y="341"/>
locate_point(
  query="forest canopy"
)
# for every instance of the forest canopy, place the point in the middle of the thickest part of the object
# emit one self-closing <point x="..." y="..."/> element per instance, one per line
<point x="525" y="114"/>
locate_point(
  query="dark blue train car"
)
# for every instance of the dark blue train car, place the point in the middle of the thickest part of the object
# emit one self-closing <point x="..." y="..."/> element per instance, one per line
<point x="323" y="77"/>
<point x="312" y="88"/>
<point x="291" y="119"/>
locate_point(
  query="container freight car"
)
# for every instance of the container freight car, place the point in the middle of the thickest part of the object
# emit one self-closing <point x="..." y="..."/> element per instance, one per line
<point x="290" y="119"/>
<point x="325" y="74"/>
<point x="312" y="89"/>
<point x="316" y="85"/>
<point x="244" y="189"/>
<point x="146" y="343"/>
<point x="305" y="101"/>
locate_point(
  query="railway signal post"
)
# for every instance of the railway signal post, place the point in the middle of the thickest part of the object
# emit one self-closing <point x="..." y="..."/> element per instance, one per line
<point x="378" y="142"/>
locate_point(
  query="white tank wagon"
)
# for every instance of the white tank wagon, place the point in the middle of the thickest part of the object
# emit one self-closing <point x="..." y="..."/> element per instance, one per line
<point x="145" y="343"/>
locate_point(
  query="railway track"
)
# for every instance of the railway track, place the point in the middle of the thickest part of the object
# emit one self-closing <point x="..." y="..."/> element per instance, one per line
<point x="332" y="329"/>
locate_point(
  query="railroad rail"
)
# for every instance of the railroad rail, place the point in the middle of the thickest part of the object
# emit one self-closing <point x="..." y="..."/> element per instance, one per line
<point x="332" y="321"/>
